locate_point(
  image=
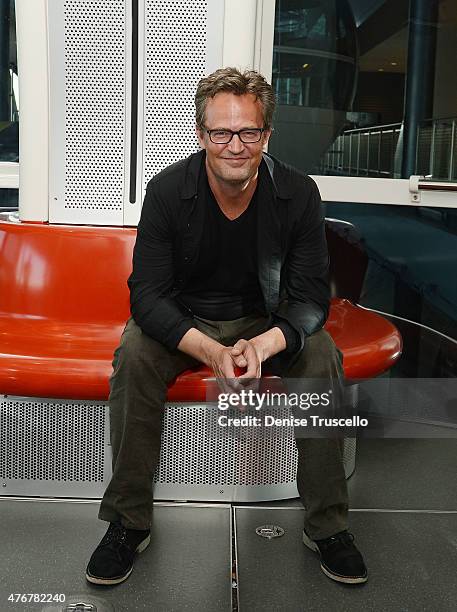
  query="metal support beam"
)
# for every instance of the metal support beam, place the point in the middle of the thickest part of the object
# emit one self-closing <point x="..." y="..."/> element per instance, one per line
<point x="423" y="22"/>
<point x="451" y="153"/>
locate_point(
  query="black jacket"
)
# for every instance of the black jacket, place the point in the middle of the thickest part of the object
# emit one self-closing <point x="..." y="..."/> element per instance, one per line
<point x="292" y="250"/>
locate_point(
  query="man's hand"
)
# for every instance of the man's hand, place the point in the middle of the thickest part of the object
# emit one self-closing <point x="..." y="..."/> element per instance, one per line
<point x="222" y="363"/>
<point x="249" y="354"/>
<point x="213" y="354"/>
<point x="246" y="354"/>
<point x="252" y="353"/>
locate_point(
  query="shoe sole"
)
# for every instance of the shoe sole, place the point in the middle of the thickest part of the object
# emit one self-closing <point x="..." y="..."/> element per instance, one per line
<point x="95" y="580"/>
<point x="337" y="577"/>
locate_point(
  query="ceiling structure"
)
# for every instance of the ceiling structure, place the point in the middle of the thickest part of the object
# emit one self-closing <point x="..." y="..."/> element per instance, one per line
<point x="389" y="56"/>
<point x="382" y="34"/>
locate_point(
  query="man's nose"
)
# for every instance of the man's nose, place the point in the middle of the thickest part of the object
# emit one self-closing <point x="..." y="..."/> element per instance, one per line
<point x="235" y="145"/>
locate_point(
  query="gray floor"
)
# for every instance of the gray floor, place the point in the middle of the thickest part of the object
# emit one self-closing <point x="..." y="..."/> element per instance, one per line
<point x="404" y="517"/>
<point x="46" y="546"/>
<point x="405" y="474"/>
<point x="412" y="560"/>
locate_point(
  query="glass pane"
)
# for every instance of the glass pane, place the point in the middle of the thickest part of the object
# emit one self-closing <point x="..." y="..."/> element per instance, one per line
<point x="409" y="256"/>
<point x="9" y="89"/>
<point x="366" y="87"/>
<point x="8" y="199"/>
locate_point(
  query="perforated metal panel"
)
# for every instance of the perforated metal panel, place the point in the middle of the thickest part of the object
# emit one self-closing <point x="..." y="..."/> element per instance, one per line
<point x="89" y="85"/>
<point x="199" y="451"/>
<point x="115" y="121"/>
<point x="61" y="448"/>
<point x="175" y="60"/>
<point x="50" y="447"/>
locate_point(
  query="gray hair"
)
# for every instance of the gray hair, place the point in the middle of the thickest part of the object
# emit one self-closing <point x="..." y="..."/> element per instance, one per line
<point x="233" y="81"/>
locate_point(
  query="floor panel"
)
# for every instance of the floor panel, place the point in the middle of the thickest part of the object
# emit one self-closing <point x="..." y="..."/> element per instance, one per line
<point x="411" y="560"/>
<point x="411" y="556"/>
<point x="404" y="474"/>
<point x="46" y="546"/>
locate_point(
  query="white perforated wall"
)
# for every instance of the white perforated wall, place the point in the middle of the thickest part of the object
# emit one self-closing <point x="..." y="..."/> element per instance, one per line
<point x="89" y="62"/>
<point x="94" y="103"/>
<point x="123" y="75"/>
<point x="174" y="61"/>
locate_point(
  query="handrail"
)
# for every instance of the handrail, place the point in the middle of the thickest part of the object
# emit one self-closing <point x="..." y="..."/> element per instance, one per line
<point x="372" y="127"/>
<point x="372" y="151"/>
<point x="429" y="186"/>
<point x="431" y="119"/>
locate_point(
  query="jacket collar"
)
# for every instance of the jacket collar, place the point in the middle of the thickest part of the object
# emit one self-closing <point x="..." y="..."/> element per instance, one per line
<point x="277" y="173"/>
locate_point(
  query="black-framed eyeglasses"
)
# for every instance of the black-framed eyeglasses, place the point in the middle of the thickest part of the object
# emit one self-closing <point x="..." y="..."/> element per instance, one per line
<point x="246" y="135"/>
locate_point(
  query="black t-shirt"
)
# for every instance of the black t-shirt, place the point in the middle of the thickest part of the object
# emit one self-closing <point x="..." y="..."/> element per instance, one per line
<point x="225" y="285"/>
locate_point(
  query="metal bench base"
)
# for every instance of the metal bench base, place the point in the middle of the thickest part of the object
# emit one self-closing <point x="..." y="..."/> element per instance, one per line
<point x="61" y="448"/>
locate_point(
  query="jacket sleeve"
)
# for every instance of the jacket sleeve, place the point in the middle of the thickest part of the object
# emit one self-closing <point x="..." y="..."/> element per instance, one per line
<point x="305" y="299"/>
<point x="152" y="279"/>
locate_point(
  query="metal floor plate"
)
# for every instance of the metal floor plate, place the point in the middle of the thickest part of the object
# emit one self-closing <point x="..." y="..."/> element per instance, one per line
<point x="411" y="556"/>
<point x="411" y="561"/>
<point x="404" y="474"/>
<point x="45" y="547"/>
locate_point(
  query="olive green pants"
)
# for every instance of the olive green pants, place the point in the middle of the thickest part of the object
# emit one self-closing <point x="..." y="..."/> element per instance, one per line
<point x="142" y="369"/>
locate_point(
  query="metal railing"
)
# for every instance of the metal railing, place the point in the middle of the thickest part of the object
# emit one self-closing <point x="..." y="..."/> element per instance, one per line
<point x="364" y="152"/>
<point x="372" y="151"/>
<point x="436" y="153"/>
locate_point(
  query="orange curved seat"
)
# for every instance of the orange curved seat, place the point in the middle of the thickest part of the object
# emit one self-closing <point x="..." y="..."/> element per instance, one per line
<point x="64" y="302"/>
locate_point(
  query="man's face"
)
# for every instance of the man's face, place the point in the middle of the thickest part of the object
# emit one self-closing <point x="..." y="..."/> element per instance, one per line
<point x="235" y="162"/>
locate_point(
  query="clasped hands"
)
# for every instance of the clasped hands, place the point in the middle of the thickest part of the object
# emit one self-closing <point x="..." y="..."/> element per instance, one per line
<point x="245" y="355"/>
<point x="225" y="361"/>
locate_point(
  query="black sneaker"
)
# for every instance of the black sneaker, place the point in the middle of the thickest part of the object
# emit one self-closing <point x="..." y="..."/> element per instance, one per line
<point x="112" y="560"/>
<point x="340" y="559"/>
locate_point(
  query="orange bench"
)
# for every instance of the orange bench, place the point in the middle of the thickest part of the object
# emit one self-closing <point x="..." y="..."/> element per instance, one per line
<point x="64" y="302"/>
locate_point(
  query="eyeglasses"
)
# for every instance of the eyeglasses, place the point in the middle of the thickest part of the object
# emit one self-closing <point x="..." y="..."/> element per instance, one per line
<point x="247" y="135"/>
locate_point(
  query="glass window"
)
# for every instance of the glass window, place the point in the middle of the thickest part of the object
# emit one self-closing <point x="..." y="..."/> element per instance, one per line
<point x="366" y="87"/>
<point x="9" y="91"/>
<point x="410" y="261"/>
<point x="8" y="199"/>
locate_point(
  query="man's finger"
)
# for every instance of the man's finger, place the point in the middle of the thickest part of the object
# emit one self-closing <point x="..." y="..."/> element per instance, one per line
<point x="253" y="371"/>
<point x="240" y="361"/>
<point x="240" y="347"/>
<point x="228" y="372"/>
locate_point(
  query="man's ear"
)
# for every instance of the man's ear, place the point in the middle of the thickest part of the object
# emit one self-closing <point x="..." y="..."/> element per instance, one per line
<point x="201" y="137"/>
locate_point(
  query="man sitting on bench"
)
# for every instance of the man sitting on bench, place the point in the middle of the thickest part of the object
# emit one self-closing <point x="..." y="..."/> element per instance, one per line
<point x="230" y="270"/>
